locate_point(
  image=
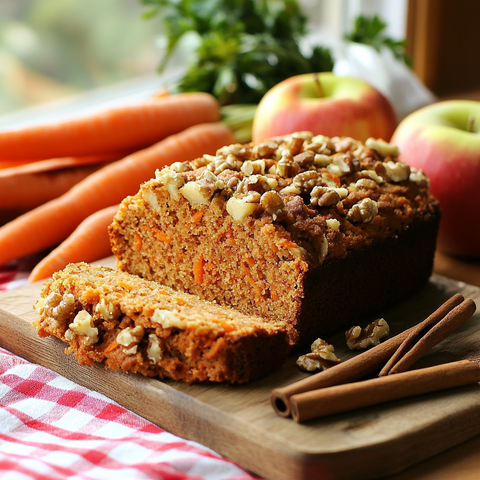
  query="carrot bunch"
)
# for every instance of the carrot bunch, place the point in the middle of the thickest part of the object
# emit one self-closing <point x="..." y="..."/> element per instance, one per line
<point x="155" y="133"/>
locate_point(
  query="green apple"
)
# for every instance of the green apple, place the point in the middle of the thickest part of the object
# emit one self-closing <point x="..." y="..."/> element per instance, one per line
<point x="443" y="140"/>
<point x="324" y="104"/>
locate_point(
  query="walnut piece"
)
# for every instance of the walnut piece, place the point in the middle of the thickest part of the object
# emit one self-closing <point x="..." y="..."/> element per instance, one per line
<point x="154" y="351"/>
<point x="172" y="181"/>
<point x="322" y="356"/>
<point x="360" y="339"/>
<point x="201" y="191"/>
<point x="167" y="319"/>
<point x="273" y="204"/>
<point x="83" y="325"/>
<point x="363" y="211"/>
<point x="397" y="171"/>
<point x="59" y="308"/>
<point x="419" y="177"/>
<point x="130" y="337"/>
<point x="382" y="147"/>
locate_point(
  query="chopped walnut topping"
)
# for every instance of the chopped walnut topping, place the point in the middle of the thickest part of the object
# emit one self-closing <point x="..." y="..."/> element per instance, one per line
<point x="397" y="171"/>
<point x="221" y="163"/>
<point x="291" y="189"/>
<point x="294" y="143"/>
<point x="304" y="159"/>
<point x="419" y="178"/>
<point x="339" y="165"/>
<point x="359" y="339"/>
<point x="265" y="150"/>
<point x="202" y="190"/>
<point x="366" y="183"/>
<point x="151" y="199"/>
<point x="306" y="181"/>
<point x="236" y="149"/>
<point x="321" y="160"/>
<point x="382" y="147"/>
<point x="273" y="204"/>
<point x="327" y="196"/>
<point x="240" y="209"/>
<point x="201" y="162"/>
<point x="179" y="167"/>
<point x="372" y="174"/>
<point x="254" y="167"/>
<point x="286" y="167"/>
<point x="334" y="224"/>
<point x="325" y="168"/>
<point x="172" y="181"/>
<point x="346" y="144"/>
<point x="322" y="356"/>
<point x="363" y="211"/>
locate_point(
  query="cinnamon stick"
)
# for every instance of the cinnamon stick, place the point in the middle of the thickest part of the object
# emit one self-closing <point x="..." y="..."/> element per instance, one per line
<point x="348" y="371"/>
<point x="454" y="320"/>
<point x="343" y="398"/>
<point x="353" y="369"/>
<point x="421" y="329"/>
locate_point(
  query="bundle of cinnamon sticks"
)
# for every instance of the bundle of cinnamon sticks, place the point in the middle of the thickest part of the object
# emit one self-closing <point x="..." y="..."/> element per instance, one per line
<point x="332" y="391"/>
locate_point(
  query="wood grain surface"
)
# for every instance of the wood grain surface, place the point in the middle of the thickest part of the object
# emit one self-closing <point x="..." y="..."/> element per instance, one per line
<point x="239" y="423"/>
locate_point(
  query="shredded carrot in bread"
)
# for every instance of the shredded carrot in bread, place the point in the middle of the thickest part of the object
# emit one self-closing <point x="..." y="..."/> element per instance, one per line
<point x="163" y="237"/>
<point x="197" y="216"/>
<point x="137" y="243"/>
<point x="215" y="348"/>
<point x="124" y="285"/>
<point x="228" y="327"/>
<point x="198" y="270"/>
<point x="113" y="345"/>
<point x="284" y="243"/>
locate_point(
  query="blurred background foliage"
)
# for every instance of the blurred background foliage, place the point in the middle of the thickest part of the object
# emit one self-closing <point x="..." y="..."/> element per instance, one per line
<point x="51" y="49"/>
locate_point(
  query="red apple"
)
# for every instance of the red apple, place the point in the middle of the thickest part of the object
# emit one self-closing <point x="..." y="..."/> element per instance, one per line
<point x="443" y="140"/>
<point x="324" y="104"/>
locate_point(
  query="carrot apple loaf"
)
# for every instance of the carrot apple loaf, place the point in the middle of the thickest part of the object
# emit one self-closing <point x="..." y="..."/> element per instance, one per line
<point x="139" y="326"/>
<point x="313" y="231"/>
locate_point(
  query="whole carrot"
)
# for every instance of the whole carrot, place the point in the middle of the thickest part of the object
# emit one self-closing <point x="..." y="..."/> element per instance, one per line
<point x="52" y="222"/>
<point x="130" y="126"/>
<point x="87" y="243"/>
<point x="22" y="192"/>
<point x="14" y="167"/>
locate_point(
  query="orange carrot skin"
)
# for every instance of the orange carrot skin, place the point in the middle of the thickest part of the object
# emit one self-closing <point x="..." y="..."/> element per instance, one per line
<point x="88" y="242"/>
<point x="126" y="127"/>
<point x="14" y="167"/>
<point x="27" y="191"/>
<point x="52" y="222"/>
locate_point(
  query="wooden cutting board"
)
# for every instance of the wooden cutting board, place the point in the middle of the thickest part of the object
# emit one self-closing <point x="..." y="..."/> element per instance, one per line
<point x="239" y="423"/>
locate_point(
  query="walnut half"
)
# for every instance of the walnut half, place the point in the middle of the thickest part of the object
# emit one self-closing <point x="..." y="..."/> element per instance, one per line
<point x="320" y="358"/>
<point x="359" y="339"/>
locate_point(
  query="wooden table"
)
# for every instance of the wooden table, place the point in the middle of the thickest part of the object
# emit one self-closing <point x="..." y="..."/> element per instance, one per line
<point x="463" y="461"/>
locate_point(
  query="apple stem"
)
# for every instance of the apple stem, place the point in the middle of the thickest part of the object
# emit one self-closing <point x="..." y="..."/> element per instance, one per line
<point x="471" y="124"/>
<point x="319" y="85"/>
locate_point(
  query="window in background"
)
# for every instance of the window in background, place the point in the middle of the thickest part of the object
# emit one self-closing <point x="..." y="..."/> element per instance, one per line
<point x="51" y="49"/>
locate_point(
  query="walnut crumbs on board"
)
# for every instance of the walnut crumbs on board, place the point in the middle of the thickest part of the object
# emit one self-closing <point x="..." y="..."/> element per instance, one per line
<point x="135" y="325"/>
<point x="313" y="231"/>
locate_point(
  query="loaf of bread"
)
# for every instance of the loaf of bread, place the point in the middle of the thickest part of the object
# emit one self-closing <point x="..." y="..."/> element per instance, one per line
<point x="310" y="231"/>
<point x="135" y="325"/>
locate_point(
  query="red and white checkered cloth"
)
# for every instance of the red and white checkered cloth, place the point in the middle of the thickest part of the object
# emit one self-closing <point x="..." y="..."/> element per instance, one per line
<point x="52" y="428"/>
